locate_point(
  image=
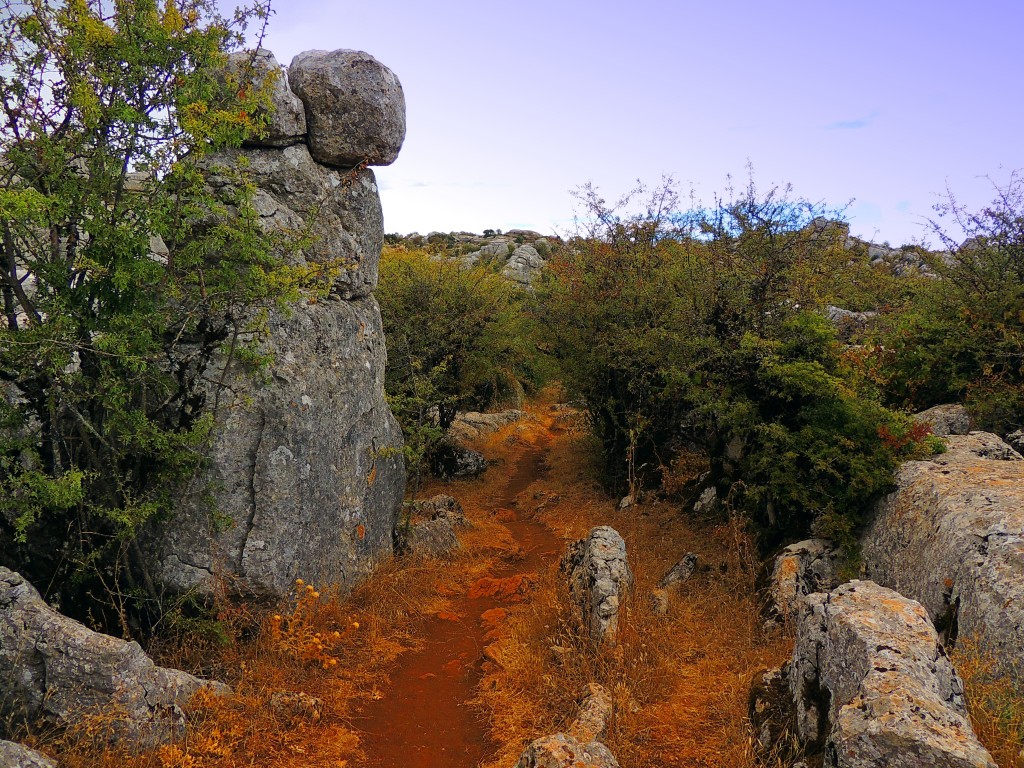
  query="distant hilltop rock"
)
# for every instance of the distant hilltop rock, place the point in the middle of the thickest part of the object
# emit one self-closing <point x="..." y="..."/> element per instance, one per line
<point x="520" y="253"/>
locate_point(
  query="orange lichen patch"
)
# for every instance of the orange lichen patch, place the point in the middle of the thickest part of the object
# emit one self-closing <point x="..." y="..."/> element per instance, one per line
<point x="513" y="588"/>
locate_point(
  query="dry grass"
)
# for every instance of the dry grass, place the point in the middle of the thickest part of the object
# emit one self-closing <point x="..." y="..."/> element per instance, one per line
<point x="995" y="703"/>
<point x="680" y="682"/>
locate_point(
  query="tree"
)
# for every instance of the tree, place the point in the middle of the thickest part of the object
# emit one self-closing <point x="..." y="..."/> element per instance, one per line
<point x="122" y="275"/>
<point x="706" y="329"/>
<point x="459" y="337"/>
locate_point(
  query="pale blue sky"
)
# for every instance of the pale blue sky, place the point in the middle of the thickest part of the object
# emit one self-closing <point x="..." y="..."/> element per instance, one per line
<point x="512" y="105"/>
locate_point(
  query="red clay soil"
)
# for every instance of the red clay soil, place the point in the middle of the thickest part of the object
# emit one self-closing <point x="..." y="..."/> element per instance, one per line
<point x="424" y="719"/>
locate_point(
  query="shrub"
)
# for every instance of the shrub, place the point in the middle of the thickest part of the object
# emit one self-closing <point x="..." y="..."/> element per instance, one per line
<point x="706" y="329"/>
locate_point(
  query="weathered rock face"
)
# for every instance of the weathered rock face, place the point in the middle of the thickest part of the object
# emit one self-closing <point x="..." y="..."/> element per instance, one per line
<point x="952" y="419"/>
<point x="523" y="265"/>
<point x="287" y="120"/>
<point x="307" y="465"/>
<point x="563" y="751"/>
<point x="54" y="668"/>
<point x="952" y="537"/>
<point x="599" y="580"/>
<point x="306" y="470"/>
<point x="802" y="569"/>
<point x="872" y="683"/>
<point x="471" y="425"/>
<point x="595" y="713"/>
<point x="355" y="107"/>
<point x="339" y="209"/>
<point x="450" y="460"/>
<point x="17" y="756"/>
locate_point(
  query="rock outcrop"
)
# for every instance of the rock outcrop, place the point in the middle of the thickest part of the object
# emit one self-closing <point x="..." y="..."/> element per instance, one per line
<point x="801" y="569"/>
<point x="306" y="471"/>
<point x="945" y="420"/>
<point x="871" y="685"/>
<point x="952" y="537"/>
<point x="54" y="669"/>
<point x="472" y="425"/>
<point x="599" y="581"/>
<point x="286" y="122"/>
<point x="17" y="756"/>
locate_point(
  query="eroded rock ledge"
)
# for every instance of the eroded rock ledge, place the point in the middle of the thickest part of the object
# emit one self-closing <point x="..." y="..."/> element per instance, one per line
<point x="869" y="684"/>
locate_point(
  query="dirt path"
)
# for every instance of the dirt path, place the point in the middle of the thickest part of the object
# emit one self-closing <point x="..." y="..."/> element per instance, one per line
<point x="424" y="719"/>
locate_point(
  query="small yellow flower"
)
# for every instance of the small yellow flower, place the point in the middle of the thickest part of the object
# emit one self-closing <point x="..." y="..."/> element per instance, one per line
<point x="299" y="582"/>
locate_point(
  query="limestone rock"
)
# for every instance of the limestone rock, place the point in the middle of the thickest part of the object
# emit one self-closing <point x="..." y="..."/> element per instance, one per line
<point x="591" y="723"/>
<point x="287" y="120"/>
<point x="873" y="685"/>
<point x="523" y="265"/>
<point x="442" y="507"/>
<point x="306" y="468"/>
<point x="17" y="756"/>
<point x="679" y="572"/>
<point x="952" y="537"/>
<point x="428" y="538"/>
<point x="952" y="419"/>
<point x="56" y="669"/>
<point x="450" y="461"/>
<point x="802" y="569"/>
<point x="707" y="501"/>
<point x="339" y="210"/>
<point x="472" y="425"/>
<point x="599" y="581"/>
<point x="1016" y="440"/>
<point x="563" y="751"/>
<point x="355" y="107"/>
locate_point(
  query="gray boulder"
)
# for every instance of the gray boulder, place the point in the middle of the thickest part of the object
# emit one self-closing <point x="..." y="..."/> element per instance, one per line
<point x="441" y="507"/>
<point x="472" y="425"/>
<point x="54" y="669"/>
<point x="599" y="581"/>
<point x="801" y="569"/>
<point x="563" y="751"/>
<point x="427" y="538"/>
<point x="951" y="419"/>
<point x="339" y="210"/>
<point x="951" y="536"/>
<point x="355" y="107"/>
<point x="680" y="572"/>
<point x="17" y="756"/>
<point x="873" y="685"/>
<point x="306" y="467"/>
<point x="450" y="461"/>
<point x="591" y="724"/>
<point x="523" y="265"/>
<point x="1015" y="440"/>
<point x="287" y="119"/>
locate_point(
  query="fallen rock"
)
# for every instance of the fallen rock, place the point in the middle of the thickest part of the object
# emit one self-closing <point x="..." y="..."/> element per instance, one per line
<point x="563" y="751"/>
<point x="286" y="122"/>
<point x="442" y="507"/>
<point x="599" y="581"/>
<point x="952" y="537"/>
<point x="952" y="419"/>
<point x="428" y="538"/>
<point x="707" y="501"/>
<point x="17" y="756"/>
<point x="472" y="425"/>
<point x="1015" y="440"/>
<point x="55" y="669"/>
<point x="873" y="686"/>
<point x="355" y="107"/>
<point x="450" y="461"/>
<point x="680" y="572"/>
<point x="801" y="569"/>
<point x="595" y="714"/>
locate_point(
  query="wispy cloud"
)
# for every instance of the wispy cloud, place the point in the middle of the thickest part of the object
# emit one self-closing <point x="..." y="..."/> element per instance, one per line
<point x="852" y="125"/>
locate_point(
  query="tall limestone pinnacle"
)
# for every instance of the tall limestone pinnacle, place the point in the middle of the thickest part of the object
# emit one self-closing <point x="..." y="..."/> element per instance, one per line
<point x="306" y="472"/>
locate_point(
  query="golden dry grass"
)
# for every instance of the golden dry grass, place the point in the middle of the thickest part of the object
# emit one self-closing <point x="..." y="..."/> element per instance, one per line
<point x="680" y="682"/>
<point x="995" y="703"/>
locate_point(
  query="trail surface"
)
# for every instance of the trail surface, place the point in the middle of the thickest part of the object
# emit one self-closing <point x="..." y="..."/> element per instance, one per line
<point x="424" y="719"/>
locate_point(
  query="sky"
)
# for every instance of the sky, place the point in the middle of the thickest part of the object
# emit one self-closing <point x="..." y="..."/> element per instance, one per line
<point x="878" y="107"/>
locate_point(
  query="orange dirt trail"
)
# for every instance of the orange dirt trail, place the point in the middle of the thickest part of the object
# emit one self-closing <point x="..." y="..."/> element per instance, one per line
<point x="424" y="719"/>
